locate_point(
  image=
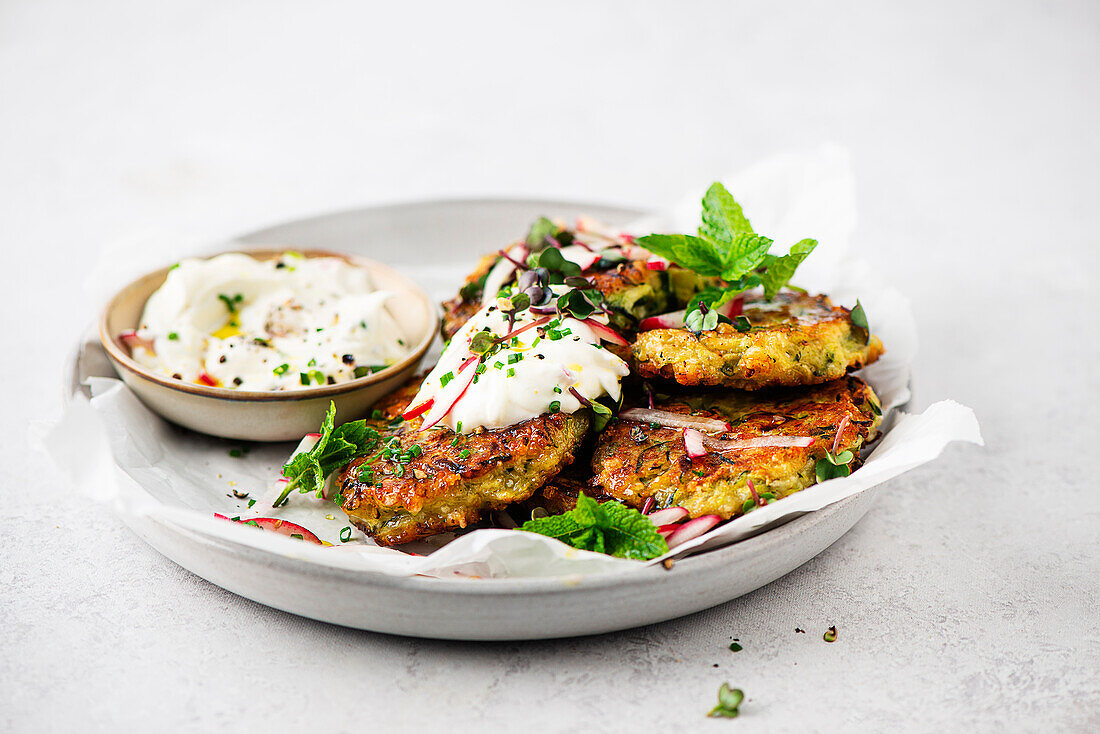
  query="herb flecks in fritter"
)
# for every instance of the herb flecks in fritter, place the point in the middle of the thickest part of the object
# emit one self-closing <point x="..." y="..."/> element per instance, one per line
<point x="634" y="461"/>
<point x="452" y="479"/>
<point x="793" y="339"/>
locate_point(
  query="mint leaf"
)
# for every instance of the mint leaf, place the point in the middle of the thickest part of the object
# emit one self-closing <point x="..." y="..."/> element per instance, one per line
<point x="723" y="219"/>
<point x="336" y="447"/>
<point x="780" y="269"/>
<point x="693" y="253"/>
<point x="744" y="254"/>
<point x="859" y="318"/>
<point x="608" y="527"/>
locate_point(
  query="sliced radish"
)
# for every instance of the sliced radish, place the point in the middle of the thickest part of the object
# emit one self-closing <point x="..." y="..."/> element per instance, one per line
<point x="414" y="411"/>
<point x="647" y="506"/>
<point x="674" y="420"/>
<point x="668" y="517"/>
<point x="206" y="379"/>
<point x="281" y="527"/>
<point x="761" y="442"/>
<point x="657" y="263"/>
<point x="448" y="397"/>
<point x="692" y="529"/>
<point x="306" y="444"/>
<point x="839" y="432"/>
<point x="131" y="339"/>
<point x="693" y="442"/>
<point x="499" y="275"/>
<point x="605" y="332"/>
<point x="675" y="319"/>
<point x="581" y="255"/>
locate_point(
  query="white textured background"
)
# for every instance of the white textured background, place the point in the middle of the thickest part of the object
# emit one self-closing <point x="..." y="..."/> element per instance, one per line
<point x="966" y="600"/>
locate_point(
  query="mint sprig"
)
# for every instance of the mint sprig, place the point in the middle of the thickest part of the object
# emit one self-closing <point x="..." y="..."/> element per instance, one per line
<point x="727" y="248"/>
<point x="337" y="446"/>
<point x="604" y="527"/>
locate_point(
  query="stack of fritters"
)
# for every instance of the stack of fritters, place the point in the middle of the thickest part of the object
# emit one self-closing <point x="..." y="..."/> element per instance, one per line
<point x="785" y="374"/>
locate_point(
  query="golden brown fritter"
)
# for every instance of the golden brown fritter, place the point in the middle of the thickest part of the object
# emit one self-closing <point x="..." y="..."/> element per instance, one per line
<point x="633" y="461"/>
<point x="452" y="482"/>
<point x="795" y="339"/>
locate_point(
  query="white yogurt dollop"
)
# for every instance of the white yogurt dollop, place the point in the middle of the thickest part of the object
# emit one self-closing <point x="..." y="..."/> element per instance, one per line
<point x="531" y="374"/>
<point x="282" y="324"/>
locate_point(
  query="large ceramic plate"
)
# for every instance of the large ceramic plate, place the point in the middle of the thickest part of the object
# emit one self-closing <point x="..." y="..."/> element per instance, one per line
<point x="435" y="243"/>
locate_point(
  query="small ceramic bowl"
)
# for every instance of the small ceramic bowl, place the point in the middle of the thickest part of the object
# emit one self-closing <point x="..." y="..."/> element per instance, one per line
<point x="266" y="416"/>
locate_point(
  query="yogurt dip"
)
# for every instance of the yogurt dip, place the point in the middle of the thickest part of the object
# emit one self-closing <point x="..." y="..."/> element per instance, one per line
<point x="269" y="325"/>
<point x="538" y="364"/>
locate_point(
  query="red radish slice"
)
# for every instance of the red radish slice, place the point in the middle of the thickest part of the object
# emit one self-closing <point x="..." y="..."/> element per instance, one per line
<point x="412" y="412"/>
<point x="692" y="529"/>
<point x="306" y="444"/>
<point x="499" y="275"/>
<point x="448" y="397"/>
<point x="839" y="432"/>
<point x="131" y="339"/>
<point x="605" y="332"/>
<point x="584" y="260"/>
<point x="647" y="506"/>
<point x="668" y="517"/>
<point x="693" y="441"/>
<point x="674" y="420"/>
<point x="675" y="319"/>
<point x="281" y="527"/>
<point x="205" y="379"/>
<point x="668" y="529"/>
<point x="657" y="263"/>
<point x="761" y="442"/>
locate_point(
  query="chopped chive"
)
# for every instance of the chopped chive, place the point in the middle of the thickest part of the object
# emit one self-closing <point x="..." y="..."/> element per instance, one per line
<point x="445" y="379"/>
<point x="555" y="406"/>
<point x="235" y="453"/>
<point x="303" y="378"/>
<point x="281" y="369"/>
<point x="511" y="372"/>
<point x="464" y="454"/>
<point x="173" y="336"/>
<point x="345" y="535"/>
<point x="361" y="371"/>
<point x="458" y="427"/>
<point x="513" y="358"/>
<point x="251" y="502"/>
<point x="557" y="389"/>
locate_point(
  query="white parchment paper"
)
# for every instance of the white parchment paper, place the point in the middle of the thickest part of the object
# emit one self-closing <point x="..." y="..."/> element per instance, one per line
<point x="118" y="451"/>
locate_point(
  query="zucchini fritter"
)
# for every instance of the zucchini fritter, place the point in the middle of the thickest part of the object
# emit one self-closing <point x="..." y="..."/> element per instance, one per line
<point x="634" y="460"/>
<point x="794" y="339"/>
<point x="450" y="483"/>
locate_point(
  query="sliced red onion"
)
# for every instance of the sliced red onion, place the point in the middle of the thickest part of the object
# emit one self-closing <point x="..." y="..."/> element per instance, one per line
<point x="543" y="309"/>
<point x="692" y="529"/>
<point x="760" y="442"/>
<point x="668" y="517"/>
<point x="674" y="420"/>
<point x="605" y="332"/>
<point x="657" y="263"/>
<point x="693" y="442"/>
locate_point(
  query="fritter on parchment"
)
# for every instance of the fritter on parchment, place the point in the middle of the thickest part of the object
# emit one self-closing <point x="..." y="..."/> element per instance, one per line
<point x="633" y="461"/>
<point x="794" y="339"/>
<point x="446" y="484"/>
